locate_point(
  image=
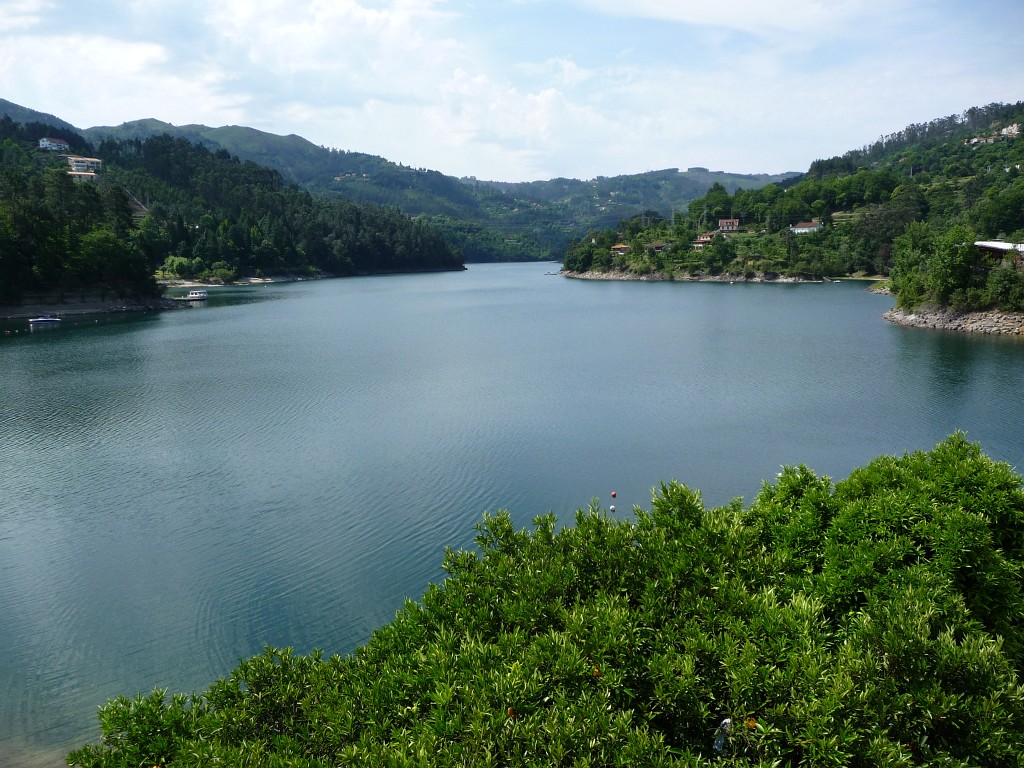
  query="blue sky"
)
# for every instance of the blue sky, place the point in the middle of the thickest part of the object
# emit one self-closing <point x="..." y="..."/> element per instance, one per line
<point x="518" y="90"/>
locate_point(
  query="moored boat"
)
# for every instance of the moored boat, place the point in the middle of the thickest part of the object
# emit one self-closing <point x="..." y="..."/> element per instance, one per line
<point x="196" y="295"/>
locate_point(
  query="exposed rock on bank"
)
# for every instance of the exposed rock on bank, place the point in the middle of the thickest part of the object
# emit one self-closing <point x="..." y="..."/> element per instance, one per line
<point x="684" y="277"/>
<point x="945" y="319"/>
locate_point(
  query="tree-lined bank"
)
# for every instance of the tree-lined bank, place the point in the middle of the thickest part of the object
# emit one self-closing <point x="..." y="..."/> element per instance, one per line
<point x="910" y="207"/>
<point x="167" y="206"/>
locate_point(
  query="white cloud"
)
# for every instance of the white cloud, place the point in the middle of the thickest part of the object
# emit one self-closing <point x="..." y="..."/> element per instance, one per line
<point x="22" y="14"/>
<point x="394" y="49"/>
<point x="111" y="81"/>
<point x="752" y="16"/>
<point x="518" y="90"/>
<point x="561" y="71"/>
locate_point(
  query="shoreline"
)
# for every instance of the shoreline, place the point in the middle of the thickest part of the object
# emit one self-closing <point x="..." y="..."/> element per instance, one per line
<point x="685" y="277"/>
<point x="91" y="304"/>
<point x="725" y="277"/>
<point x="992" y="322"/>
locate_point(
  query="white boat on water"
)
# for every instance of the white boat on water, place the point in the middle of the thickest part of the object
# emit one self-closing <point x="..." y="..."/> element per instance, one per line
<point x="197" y="295"/>
<point x="44" y="320"/>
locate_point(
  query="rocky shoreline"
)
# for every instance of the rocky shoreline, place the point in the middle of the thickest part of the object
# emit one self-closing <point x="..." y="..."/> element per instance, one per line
<point x="93" y="306"/>
<point x="683" y="277"/>
<point x="992" y="322"/>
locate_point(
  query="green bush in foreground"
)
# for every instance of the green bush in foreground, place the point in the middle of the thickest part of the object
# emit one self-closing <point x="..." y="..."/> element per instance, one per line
<point x="875" y="621"/>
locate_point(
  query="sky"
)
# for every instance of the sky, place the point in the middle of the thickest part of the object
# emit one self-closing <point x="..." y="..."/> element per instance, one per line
<point x="522" y="90"/>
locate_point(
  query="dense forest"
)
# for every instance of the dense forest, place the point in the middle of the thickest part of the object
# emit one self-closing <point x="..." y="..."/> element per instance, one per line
<point x="909" y="206"/>
<point x="872" y="621"/>
<point x="168" y="205"/>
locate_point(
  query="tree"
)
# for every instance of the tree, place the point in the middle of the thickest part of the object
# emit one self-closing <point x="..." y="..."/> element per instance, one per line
<point x="1005" y="288"/>
<point x="720" y="253"/>
<point x="911" y="251"/>
<point x="954" y="268"/>
<point x="116" y="264"/>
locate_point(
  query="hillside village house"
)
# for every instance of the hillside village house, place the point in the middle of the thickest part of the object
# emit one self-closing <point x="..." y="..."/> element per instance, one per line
<point x="84" y="164"/>
<point x="803" y="227"/>
<point x="54" y="145"/>
<point x="84" y="168"/>
<point x="724" y="225"/>
<point x="1009" y="132"/>
<point x="704" y="239"/>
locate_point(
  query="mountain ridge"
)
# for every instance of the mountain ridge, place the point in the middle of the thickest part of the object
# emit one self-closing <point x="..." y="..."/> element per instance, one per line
<point x="486" y="220"/>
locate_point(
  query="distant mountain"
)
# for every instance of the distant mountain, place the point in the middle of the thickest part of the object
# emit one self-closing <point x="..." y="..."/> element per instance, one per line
<point x="293" y="156"/>
<point x="21" y="114"/>
<point x="610" y="199"/>
<point x="484" y="217"/>
<point x="486" y="220"/>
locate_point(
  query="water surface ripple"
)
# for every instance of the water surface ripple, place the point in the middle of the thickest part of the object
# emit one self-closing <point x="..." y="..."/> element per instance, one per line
<point x="286" y="465"/>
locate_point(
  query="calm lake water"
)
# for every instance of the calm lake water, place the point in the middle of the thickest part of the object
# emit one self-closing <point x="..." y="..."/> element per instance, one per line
<point x="287" y="464"/>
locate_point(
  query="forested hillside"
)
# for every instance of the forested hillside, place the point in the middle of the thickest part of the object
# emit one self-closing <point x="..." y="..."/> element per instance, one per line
<point x="224" y="213"/>
<point x="484" y="220"/>
<point x="169" y="205"/>
<point x="909" y="206"/>
<point x="912" y="205"/>
<point x="875" y="621"/>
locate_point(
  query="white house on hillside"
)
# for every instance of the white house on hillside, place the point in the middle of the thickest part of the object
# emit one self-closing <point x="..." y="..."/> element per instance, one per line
<point x="803" y="227"/>
<point x="54" y="145"/>
<point x="84" y="164"/>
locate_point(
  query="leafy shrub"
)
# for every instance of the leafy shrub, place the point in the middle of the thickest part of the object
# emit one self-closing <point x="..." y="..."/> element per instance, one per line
<point x="874" y="621"/>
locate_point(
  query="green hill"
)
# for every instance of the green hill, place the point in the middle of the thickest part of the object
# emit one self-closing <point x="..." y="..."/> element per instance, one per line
<point x="171" y="206"/>
<point x="21" y="114"/>
<point x="911" y="205"/>
<point x="484" y="220"/>
<point x="487" y="220"/>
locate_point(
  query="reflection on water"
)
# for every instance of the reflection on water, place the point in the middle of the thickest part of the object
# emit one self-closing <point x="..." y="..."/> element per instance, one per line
<point x="966" y="381"/>
<point x="218" y="296"/>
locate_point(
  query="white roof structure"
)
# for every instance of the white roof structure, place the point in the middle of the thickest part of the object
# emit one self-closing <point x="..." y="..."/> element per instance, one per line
<point x="999" y="245"/>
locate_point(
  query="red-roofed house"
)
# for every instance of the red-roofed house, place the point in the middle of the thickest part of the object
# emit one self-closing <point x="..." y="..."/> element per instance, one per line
<point x="703" y="239"/>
